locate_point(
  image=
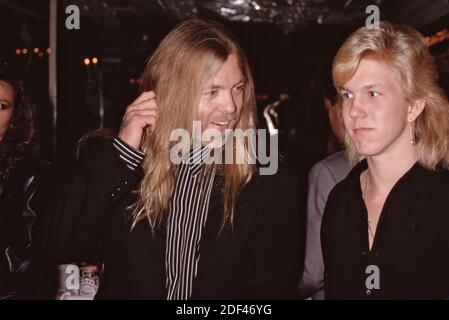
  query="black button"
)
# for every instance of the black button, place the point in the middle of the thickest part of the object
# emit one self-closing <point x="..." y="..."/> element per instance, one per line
<point x="368" y="292"/>
<point x="363" y="253"/>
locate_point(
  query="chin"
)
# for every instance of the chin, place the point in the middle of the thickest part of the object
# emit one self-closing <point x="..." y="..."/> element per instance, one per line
<point x="367" y="150"/>
<point x="214" y="144"/>
<point x="371" y="151"/>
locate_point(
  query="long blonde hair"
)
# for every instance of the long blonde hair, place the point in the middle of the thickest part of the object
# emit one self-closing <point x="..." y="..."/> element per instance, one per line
<point x="177" y="71"/>
<point x="406" y="51"/>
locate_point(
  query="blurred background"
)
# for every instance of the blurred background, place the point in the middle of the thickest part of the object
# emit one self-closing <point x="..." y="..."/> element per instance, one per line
<point x="83" y="79"/>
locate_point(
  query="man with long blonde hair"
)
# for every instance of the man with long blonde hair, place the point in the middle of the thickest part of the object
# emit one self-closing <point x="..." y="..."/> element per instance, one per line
<point x="385" y="230"/>
<point x="192" y="229"/>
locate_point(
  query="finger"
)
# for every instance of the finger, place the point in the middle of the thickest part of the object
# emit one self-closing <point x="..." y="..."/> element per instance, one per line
<point x="146" y="104"/>
<point x="145" y="120"/>
<point x="140" y="113"/>
<point x="146" y="95"/>
<point x="137" y="115"/>
<point x="144" y="112"/>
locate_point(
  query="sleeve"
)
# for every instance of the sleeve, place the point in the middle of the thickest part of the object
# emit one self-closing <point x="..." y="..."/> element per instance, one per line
<point x="321" y="182"/>
<point x="131" y="157"/>
<point x="76" y="215"/>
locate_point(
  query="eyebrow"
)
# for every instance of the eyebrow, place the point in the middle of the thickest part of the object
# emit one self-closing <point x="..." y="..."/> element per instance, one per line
<point x="242" y="81"/>
<point x="368" y="86"/>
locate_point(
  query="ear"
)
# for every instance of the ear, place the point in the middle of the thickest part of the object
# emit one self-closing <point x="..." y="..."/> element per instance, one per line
<point x="327" y="104"/>
<point x="415" y="109"/>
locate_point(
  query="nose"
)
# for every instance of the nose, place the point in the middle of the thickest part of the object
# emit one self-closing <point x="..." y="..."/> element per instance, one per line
<point x="356" y="108"/>
<point x="229" y="105"/>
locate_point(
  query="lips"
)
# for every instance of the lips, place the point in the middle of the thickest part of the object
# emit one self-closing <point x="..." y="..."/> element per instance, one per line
<point x="362" y="130"/>
<point x="220" y="123"/>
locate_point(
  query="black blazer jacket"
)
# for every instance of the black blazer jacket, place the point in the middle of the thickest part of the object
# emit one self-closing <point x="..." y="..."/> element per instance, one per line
<point x="259" y="257"/>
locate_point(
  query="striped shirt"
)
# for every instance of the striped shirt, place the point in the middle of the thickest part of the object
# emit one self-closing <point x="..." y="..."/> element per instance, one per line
<point x="186" y="219"/>
<point x="129" y="155"/>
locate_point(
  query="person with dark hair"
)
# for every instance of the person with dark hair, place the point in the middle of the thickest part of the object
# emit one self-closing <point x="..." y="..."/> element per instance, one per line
<point x="323" y="176"/>
<point x="332" y="103"/>
<point x="22" y="172"/>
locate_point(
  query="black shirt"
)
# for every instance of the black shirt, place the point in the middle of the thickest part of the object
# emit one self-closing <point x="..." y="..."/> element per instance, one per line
<point x="409" y="258"/>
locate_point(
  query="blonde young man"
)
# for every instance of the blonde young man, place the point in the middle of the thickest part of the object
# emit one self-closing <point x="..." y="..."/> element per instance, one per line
<point x="190" y="230"/>
<point x="385" y="230"/>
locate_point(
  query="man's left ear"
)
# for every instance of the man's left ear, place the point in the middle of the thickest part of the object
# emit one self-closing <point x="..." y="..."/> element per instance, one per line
<point x="415" y="109"/>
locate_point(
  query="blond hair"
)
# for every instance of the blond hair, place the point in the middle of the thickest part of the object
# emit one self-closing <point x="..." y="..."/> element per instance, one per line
<point x="177" y="71"/>
<point x="405" y="49"/>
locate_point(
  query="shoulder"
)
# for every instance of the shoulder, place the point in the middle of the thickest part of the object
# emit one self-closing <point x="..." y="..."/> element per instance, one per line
<point x="438" y="185"/>
<point x="347" y="187"/>
<point x="336" y="167"/>
<point x="276" y="199"/>
<point x="268" y="191"/>
<point x="336" y="202"/>
<point x="437" y="191"/>
<point x="93" y="143"/>
<point x="31" y="172"/>
<point x="337" y="159"/>
<point x="283" y="179"/>
<point x="439" y="177"/>
<point x="31" y="164"/>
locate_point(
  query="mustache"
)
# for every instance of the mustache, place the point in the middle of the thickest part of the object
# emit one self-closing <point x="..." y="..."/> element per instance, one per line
<point x="225" y="119"/>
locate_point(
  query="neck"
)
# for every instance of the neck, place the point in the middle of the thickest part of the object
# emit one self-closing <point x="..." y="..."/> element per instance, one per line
<point x="386" y="169"/>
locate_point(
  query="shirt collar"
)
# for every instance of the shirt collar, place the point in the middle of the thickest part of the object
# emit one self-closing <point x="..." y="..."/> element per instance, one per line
<point x="194" y="159"/>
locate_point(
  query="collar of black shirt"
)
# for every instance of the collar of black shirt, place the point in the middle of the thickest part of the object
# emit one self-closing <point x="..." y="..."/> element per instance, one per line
<point x="194" y="159"/>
